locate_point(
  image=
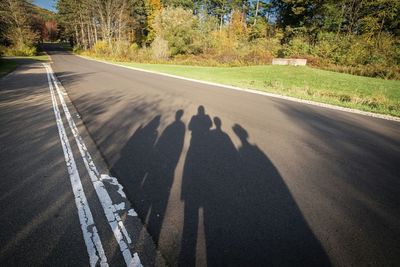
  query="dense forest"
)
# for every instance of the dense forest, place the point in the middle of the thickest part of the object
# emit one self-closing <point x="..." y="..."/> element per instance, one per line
<point x="355" y="36"/>
<point x="23" y="26"/>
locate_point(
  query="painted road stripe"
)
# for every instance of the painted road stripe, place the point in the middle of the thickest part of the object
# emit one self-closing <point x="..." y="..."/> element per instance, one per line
<point x="89" y="230"/>
<point x="113" y="218"/>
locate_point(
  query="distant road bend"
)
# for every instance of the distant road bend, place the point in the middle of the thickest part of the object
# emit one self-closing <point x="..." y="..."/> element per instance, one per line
<point x="222" y="177"/>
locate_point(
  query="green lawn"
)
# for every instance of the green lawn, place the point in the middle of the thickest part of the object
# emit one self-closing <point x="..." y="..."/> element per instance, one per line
<point x="364" y="93"/>
<point x="8" y="64"/>
<point x="42" y="57"/>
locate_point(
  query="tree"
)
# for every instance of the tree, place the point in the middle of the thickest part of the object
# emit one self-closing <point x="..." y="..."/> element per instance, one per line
<point x="16" y="23"/>
<point x="179" y="27"/>
<point x="153" y="8"/>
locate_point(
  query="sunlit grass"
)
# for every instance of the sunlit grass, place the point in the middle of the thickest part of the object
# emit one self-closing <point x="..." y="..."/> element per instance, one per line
<point x="364" y="93"/>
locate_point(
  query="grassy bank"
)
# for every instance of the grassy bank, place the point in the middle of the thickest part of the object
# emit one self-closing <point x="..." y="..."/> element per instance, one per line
<point x="8" y="64"/>
<point x="364" y="93"/>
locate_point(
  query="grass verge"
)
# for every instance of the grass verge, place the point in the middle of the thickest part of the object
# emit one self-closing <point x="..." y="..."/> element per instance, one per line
<point x="8" y="64"/>
<point x="363" y="93"/>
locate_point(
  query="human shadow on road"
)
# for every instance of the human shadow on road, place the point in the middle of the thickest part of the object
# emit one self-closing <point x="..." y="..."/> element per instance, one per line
<point x="194" y="183"/>
<point x="236" y="195"/>
<point x="250" y="217"/>
<point x="158" y="181"/>
<point x="134" y="162"/>
<point x="146" y="169"/>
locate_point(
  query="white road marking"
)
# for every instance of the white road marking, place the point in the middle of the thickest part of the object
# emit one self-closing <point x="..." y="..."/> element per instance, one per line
<point x="113" y="181"/>
<point x="120" y="206"/>
<point x="132" y="213"/>
<point x="253" y="91"/>
<point x="89" y="230"/>
<point x="113" y="218"/>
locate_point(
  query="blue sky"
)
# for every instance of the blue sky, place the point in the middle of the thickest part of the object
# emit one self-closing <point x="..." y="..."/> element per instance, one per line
<point x="48" y="4"/>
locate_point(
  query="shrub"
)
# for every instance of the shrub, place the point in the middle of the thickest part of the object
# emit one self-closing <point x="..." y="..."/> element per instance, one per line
<point x="120" y="50"/>
<point x="259" y="30"/>
<point x="102" y="48"/>
<point x="160" y="49"/>
<point x="257" y="52"/>
<point x="184" y="38"/>
<point x="22" y="50"/>
<point x="296" y="47"/>
<point x="76" y="49"/>
<point x="2" y="50"/>
<point x="180" y="28"/>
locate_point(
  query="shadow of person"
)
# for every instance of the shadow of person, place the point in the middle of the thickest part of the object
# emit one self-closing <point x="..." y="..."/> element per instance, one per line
<point x="134" y="163"/>
<point x="220" y="207"/>
<point x="157" y="184"/>
<point x="250" y="217"/>
<point x="222" y="166"/>
<point x="199" y="124"/>
<point x="270" y="224"/>
<point x="193" y="190"/>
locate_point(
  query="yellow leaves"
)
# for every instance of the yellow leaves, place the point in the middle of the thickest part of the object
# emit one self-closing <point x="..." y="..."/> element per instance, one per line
<point x="237" y="25"/>
<point x="155" y="4"/>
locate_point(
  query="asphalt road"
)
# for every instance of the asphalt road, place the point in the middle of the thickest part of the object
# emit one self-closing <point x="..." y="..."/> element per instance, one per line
<point x="223" y="177"/>
<point x="36" y="217"/>
<point x="48" y="200"/>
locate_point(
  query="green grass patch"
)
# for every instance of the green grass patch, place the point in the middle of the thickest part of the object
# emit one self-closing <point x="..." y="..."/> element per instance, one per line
<point x="43" y="57"/>
<point x="364" y="93"/>
<point x="8" y="64"/>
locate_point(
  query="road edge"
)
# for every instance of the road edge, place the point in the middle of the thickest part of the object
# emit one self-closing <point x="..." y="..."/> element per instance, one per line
<point x="133" y="224"/>
<point x="253" y="91"/>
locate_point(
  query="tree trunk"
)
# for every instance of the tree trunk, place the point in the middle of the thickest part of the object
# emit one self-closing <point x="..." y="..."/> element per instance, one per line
<point x="256" y="14"/>
<point x="78" y="41"/>
<point x="95" y="31"/>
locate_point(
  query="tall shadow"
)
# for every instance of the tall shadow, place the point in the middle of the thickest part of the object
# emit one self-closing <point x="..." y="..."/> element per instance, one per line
<point x="134" y="163"/>
<point x="194" y="185"/>
<point x="271" y="223"/>
<point x="250" y="217"/>
<point x="221" y="207"/>
<point x="158" y="182"/>
<point x="146" y="169"/>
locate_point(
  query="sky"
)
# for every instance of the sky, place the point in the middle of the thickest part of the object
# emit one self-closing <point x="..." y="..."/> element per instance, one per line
<point x="47" y="4"/>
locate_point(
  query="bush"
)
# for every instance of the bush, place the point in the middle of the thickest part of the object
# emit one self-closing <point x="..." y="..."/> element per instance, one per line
<point x="184" y="38"/>
<point x="297" y="47"/>
<point x="2" y="50"/>
<point x="180" y="28"/>
<point x="160" y="48"/>
<point x="22" y="50"/>
<point x="371" y="70"/>
<point x="76" y="49"/>
<point x="120" y="50"/>
<point x="102" y="48"/>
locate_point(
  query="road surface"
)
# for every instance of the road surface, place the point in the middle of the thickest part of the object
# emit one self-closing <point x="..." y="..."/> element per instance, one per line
<point x="223" y="177"/>
<point x="56" y="211"/>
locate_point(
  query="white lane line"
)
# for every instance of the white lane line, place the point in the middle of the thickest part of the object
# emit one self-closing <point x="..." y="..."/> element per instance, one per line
<point x="113" y="218"/>
<point x="89" y="230"/>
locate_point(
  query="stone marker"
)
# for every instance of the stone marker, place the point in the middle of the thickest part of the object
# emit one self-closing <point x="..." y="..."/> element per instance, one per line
<point x="289" y="61"/>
